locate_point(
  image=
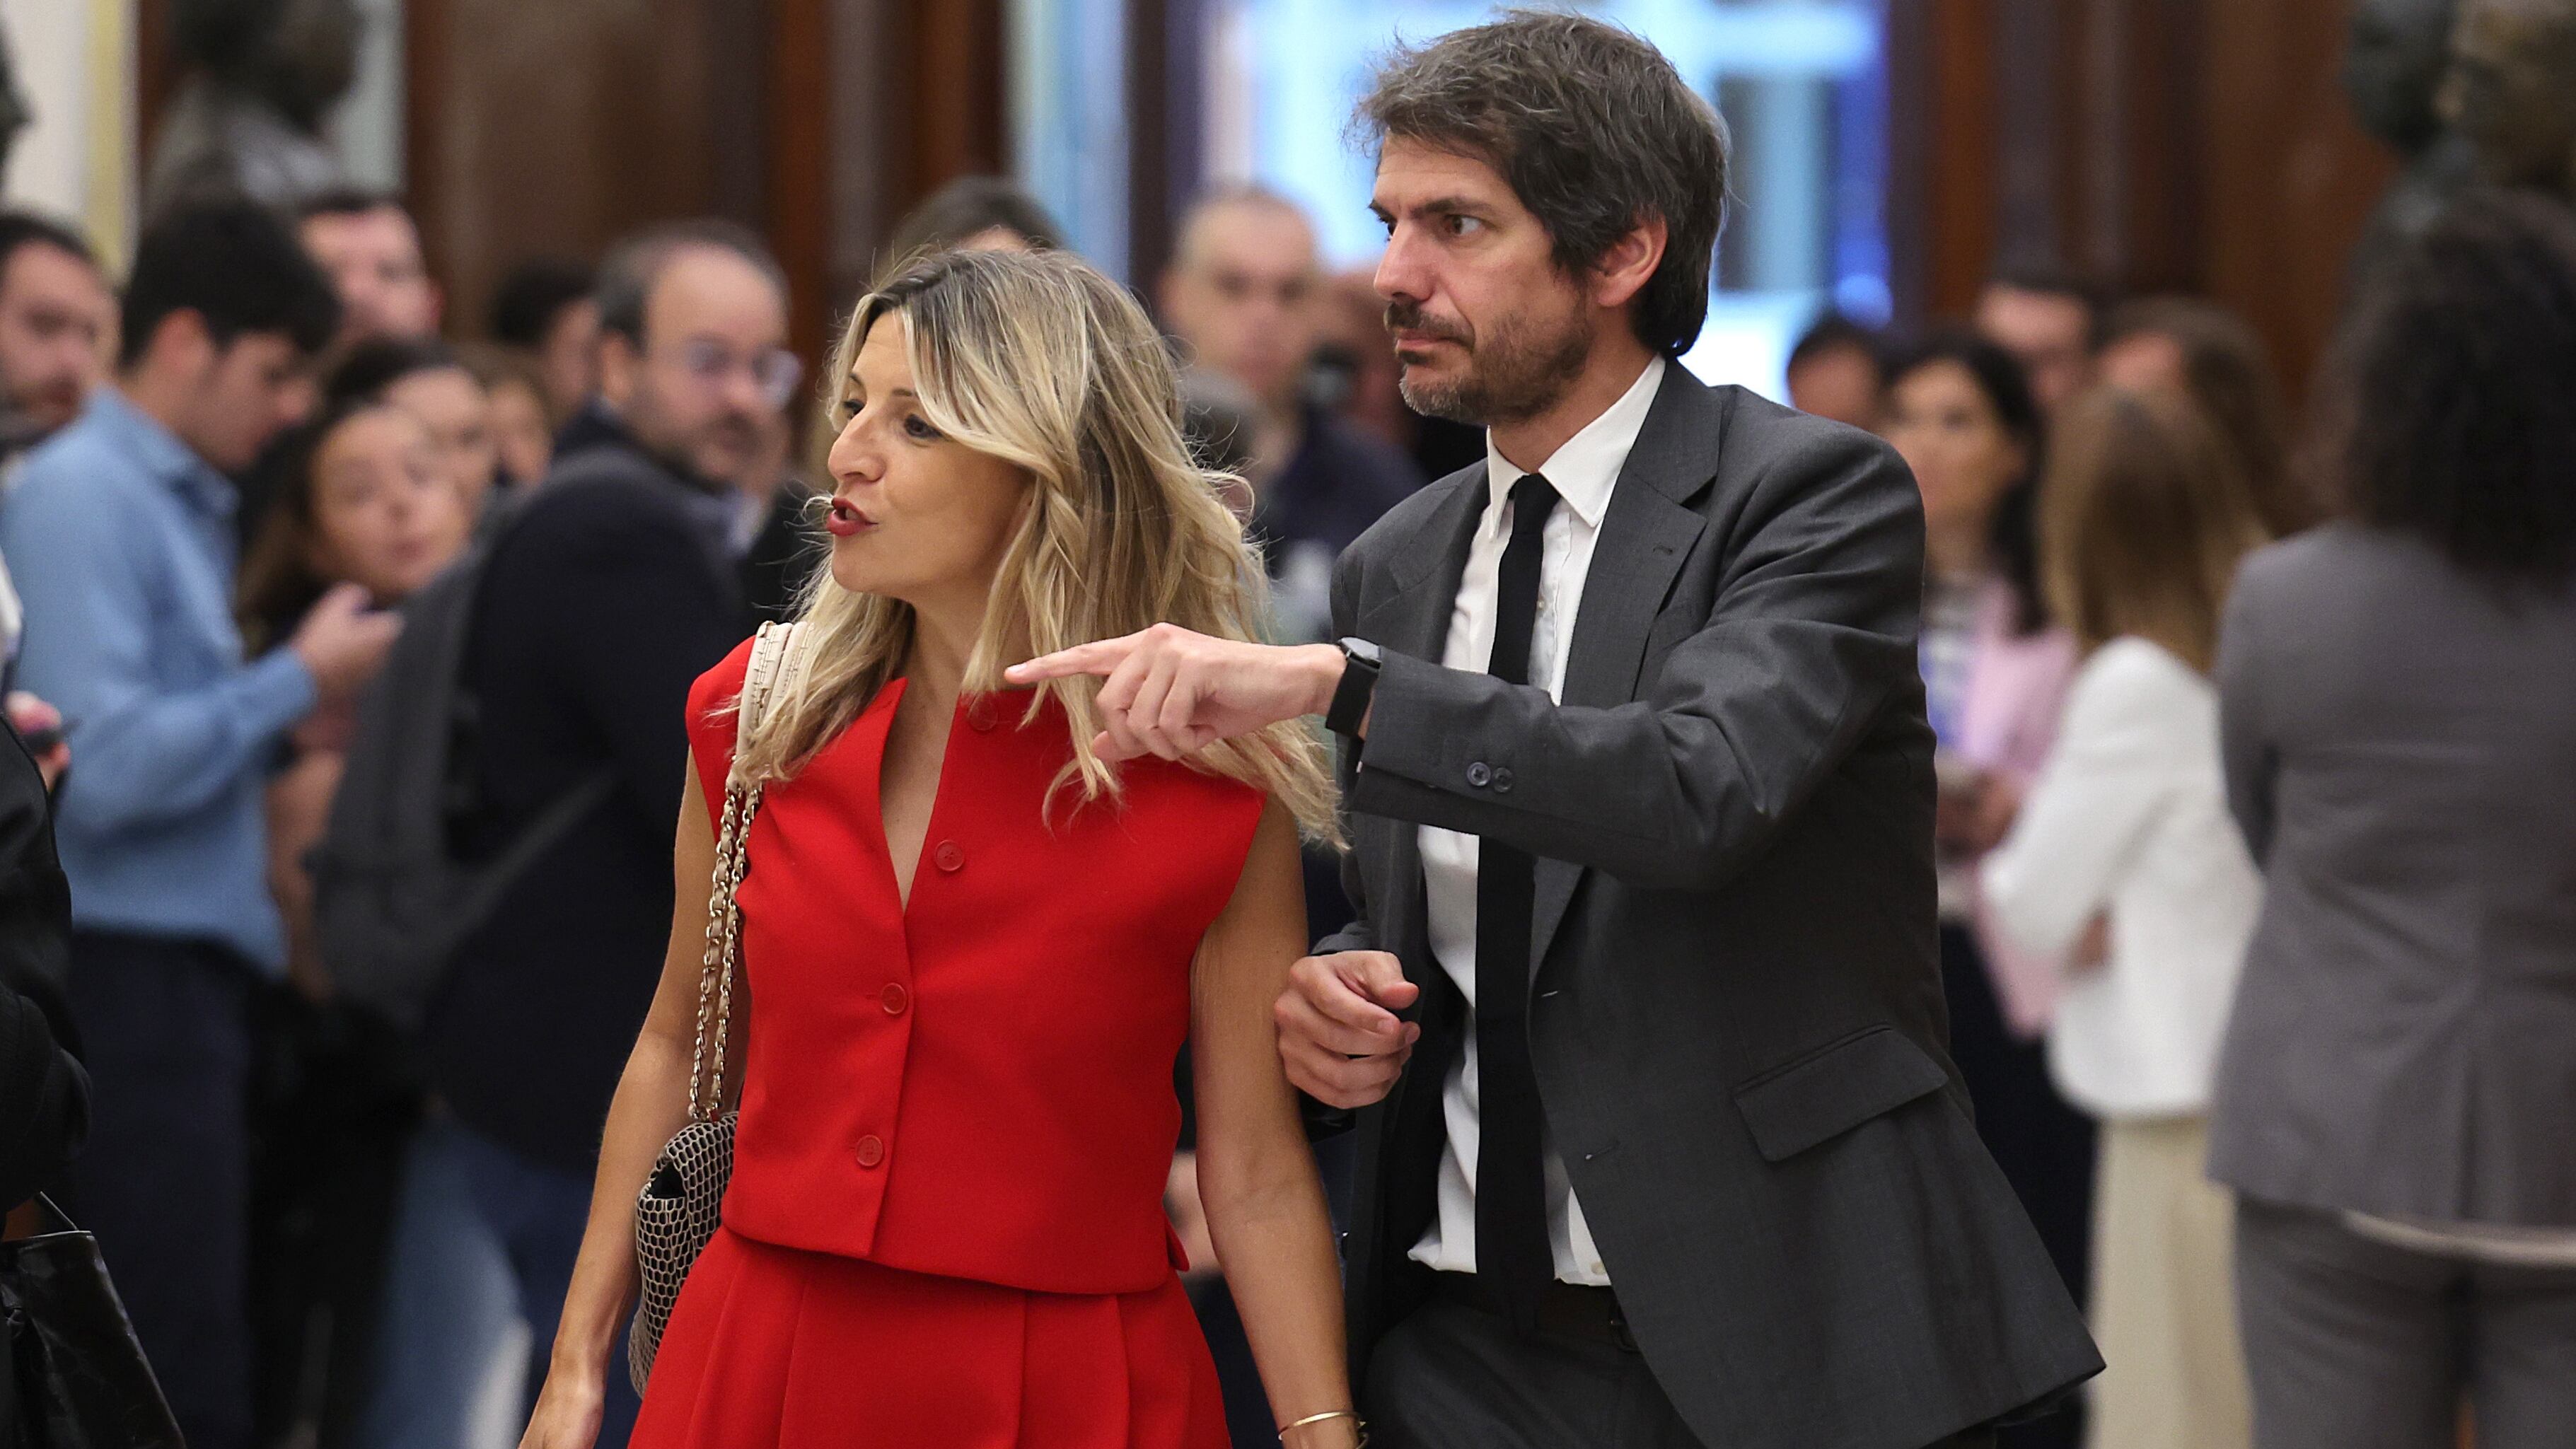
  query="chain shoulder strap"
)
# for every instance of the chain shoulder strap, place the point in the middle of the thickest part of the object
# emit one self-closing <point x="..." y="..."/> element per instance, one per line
<point x="761" y="681"/>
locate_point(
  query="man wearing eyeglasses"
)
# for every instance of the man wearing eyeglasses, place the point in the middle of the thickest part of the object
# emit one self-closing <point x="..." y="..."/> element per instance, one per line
<point x="612" y="588"/>
<point x="694" y="371"/>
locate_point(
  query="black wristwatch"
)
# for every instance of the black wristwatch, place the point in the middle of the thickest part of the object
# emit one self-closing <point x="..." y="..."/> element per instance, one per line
<point x="1359" y="684"/>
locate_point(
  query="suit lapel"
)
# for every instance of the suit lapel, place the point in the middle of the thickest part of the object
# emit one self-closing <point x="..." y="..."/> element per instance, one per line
<point x="1414" y="621"/>
<point x="1646" y="533"/>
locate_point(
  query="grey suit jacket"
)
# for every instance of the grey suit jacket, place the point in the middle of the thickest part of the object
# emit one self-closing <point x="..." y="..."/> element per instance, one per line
<point x="2400" y="746"/>
<point x="1737" y="1018"/>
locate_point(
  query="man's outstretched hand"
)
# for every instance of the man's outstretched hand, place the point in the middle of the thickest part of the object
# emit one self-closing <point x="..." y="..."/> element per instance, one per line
<point x="1171" y="693"/>
<point x="1339" y="1036"/>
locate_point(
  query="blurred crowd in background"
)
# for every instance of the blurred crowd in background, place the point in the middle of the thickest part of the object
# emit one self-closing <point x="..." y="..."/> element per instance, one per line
<point x="342" y="1209"/>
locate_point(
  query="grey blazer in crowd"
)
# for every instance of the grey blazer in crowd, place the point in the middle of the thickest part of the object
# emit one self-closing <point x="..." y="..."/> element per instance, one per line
<point x="2400" y="745"/>
<point x="1736" y="1014"/>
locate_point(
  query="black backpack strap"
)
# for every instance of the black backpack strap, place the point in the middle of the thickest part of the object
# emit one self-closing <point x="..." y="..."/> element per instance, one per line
<point x="494" y="879"/>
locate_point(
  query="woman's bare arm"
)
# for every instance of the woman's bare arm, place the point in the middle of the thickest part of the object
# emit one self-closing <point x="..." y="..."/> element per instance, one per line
<point x="651" y="1104"/>
<point x="1265" y="1204"/>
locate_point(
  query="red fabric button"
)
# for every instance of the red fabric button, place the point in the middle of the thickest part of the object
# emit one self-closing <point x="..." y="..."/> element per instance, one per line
<point x="979" y="717"/>
<point x="894" y="998"/>
<point x="871" y="1150"/>
<point x="950" y="856"/>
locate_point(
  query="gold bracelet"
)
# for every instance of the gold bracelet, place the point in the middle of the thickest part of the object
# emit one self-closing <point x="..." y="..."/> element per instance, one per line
<point x="1321" y="1418"/>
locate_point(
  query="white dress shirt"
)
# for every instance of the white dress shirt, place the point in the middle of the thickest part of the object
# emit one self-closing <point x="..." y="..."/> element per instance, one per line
<point x="1583" y="472"/>
<point x="2130" y="818"/>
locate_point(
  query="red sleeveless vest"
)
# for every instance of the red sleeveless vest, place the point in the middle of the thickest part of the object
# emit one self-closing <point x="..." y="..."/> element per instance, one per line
<point x="979" y="1085"/>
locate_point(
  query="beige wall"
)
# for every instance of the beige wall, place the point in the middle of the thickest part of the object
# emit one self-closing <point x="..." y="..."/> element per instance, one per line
<point x="81" y="159"/>
<point x="74" y="60"/>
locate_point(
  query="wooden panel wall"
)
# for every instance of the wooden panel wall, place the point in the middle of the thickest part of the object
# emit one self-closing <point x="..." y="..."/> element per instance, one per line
<point x="556" y="128"/>
<point x="2193" y="145"/>
<point x="798" y="156"/>
<point x="1166" y="127"/>
<point x="2290" y="177"/>
<point x="955" y="109"/>
<point x="1944" y="208"/>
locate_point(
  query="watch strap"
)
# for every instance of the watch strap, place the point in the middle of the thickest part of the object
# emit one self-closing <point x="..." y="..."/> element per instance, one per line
<point x="1351" y="697"/>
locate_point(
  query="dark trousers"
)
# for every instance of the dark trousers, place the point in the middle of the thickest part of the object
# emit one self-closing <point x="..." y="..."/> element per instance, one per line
<point x="2356" y="1344"/>
<point x="1454" y="1377"/>
<point x="334" y="1102"/>
<point x="538" y="1212"/>
<point x="2045" y="1147"/>
<point x="165" y="1180"/>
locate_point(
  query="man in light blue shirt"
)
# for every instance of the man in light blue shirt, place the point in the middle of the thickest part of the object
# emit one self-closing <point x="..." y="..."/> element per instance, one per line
<point x="120" y="533"/>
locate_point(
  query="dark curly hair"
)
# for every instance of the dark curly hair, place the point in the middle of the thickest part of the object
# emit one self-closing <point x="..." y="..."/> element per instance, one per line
<point x="1594" y="131"/>
<point x="2458" y="414"/>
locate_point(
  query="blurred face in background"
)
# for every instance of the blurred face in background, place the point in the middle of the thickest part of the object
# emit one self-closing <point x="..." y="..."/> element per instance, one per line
<point x="521" y="432"/>
<point x="2513" y="69"/>
<point x="1964" y="459"/>
<point x="452" y="405"/>
<point x="56" y="317"/>
<point x="714" y="371"/>
<point x="996" y="239"/>
<point x="568" y="356"/>
<point x="2147" y="362"/>
<point x="385" y="517"/>
<point x="375" y="264"/>
<point x="1487" y="328"/>
<point x="235" y="396"/>
<point x="1840" y="383"/>
<point x="2049" y="332"/>
<point x="1243" y="295"/>
<point x="1351" y="323"/>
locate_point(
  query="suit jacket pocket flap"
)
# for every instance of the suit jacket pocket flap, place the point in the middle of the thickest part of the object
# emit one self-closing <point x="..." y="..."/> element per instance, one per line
<point x="1833" y="1090"/>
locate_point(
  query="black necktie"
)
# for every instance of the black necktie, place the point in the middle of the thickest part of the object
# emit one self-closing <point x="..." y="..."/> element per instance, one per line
<point x="1512" y="1253"/>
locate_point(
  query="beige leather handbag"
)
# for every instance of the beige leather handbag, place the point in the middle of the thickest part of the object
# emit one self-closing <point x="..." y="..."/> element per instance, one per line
<point x="678" y="1209"/>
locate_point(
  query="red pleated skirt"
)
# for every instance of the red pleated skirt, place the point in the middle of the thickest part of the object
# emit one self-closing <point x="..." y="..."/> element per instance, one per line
<point x="774" y="1346"/>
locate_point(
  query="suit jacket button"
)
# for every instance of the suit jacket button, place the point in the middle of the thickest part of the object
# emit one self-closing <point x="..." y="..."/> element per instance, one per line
<point x="950" y="857"/>
<point x="1480" y="774"/>
<point x="871" y="1150"/>
<point x="1502" y="780"/>
<point x="894" y="998"/>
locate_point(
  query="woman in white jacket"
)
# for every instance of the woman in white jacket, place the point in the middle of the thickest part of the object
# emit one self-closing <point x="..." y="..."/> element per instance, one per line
<point x="2123" y="859"/>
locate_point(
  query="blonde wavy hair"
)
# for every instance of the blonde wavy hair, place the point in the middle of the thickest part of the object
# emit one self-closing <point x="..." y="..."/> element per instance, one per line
<point x="1038" y="360"/>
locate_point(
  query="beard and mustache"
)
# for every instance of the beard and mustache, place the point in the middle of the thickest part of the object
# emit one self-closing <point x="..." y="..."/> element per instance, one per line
<point x="1520" y="369"/>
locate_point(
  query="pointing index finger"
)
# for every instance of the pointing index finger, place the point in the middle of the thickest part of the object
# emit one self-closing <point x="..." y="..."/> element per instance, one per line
<point x="1101" y="659"/>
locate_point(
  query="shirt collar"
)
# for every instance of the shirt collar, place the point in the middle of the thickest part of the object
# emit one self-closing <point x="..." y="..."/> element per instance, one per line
<point x="159" y="452"/>
<point x="1584" y="467"/>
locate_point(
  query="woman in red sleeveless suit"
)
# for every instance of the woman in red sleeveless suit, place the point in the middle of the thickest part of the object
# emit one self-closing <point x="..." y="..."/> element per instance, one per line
<point x="970" y="950"/>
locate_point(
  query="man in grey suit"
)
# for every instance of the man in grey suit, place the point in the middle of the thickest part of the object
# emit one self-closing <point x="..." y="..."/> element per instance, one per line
<point x="1660" y="1145"/>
